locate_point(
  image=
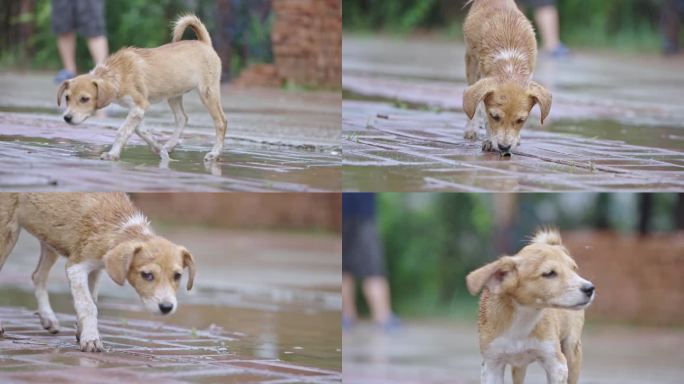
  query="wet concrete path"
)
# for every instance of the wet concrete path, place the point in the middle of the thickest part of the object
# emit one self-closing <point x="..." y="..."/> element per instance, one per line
<point x="446" y="352"/>
<point x="265" y="308"/>
<point x="277" y="140"/>
<point x="613" y="124"/>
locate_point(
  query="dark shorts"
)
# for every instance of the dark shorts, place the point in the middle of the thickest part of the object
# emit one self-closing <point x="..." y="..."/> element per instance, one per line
<point x="361" y="250"/>
<point x="85" y="16"/>
<point x="536" y="3"/>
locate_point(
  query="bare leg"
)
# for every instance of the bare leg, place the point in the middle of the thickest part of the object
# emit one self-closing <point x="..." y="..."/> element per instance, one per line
<point x="47" y="316"/>
<point x="377" y="294"/>
<point x="348" y="298"/>
<point x="546" y="18"/>
<point x="99" y="49"/>
<point x="87" y="334"/>
<point x="135" y="116"/>
<point x="211" y="99"/>
<point x="181" y="118"/>
<point x="66" y="44"/>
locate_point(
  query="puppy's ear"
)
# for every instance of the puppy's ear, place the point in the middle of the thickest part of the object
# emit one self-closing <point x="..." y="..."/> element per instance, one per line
<point x="541" y="96"/>
<point x="105" y="93"/>
<point x="189" y="263"/>
<point x="476" y="93"/>
<point x="118" y="260"/>
<point x="494" y="276"/>
<point x="61" y="90"/>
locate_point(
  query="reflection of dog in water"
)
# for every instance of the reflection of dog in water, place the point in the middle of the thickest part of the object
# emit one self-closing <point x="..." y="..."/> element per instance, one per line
<point x="501" y="53"/>
<point x="94" y="231"/>
<point x="532" y="309"/>
<point x="137" y="78"/>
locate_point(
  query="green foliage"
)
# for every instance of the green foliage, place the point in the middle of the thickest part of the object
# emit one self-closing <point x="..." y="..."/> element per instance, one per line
<point x="432" y="241"/>
<point x="616" y="23"/>
<point x="140" y="23"/>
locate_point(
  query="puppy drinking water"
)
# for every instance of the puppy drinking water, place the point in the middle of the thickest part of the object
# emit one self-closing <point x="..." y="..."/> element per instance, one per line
<point x="532" y="310"/>
<point x="501" y="52"/>
<point x="94" y="231"/>
<point x="137" y="77"/>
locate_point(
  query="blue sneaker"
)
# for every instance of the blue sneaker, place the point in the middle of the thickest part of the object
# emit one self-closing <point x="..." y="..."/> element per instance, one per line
<point x="347" y="323"/>
<point x="560" y="52"/>
<point x="392" y="324"/>
<point x="63" y="75"/>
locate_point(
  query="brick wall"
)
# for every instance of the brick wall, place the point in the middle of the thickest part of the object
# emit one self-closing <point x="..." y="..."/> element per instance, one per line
<point x="307" y="41"/>
<point x="638" y="279"/>
<point x="320" y="211"/>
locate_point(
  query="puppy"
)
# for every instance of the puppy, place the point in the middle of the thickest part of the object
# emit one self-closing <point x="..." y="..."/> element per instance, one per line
<point x="501" y="52"/>
<point x="532" y="309"/>
<point x="136" y="78"/>
<point x="94" y="231"/>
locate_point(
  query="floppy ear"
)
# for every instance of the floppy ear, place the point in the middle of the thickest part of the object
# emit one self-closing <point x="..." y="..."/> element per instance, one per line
<point x="189" y="263"/>
<point x="541" y="96"/>
<point x="60" y="91"/>
<point x="105" y="93"/>
<point x="476" y="93"/>
<point x="492" y="275"/>
<point x="118" y="260"/>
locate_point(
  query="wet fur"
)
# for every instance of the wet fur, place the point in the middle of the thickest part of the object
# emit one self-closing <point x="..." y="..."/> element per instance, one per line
<point x="94" y="231"/>
<point x="138" y="77"/>
<point x="501" y="52"/>
<point x="525" y="318"/>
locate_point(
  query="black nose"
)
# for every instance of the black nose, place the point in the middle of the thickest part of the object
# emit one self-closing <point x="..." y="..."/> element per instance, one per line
<point x="588" y="290"/>
<point x="67" y="118"/>
<point x="165" y="308"/>
<point x="504" y="148"/>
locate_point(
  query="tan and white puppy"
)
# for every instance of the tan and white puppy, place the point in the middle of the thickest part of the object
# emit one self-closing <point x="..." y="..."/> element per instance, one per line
<point x="136" y="78"/>
<point x="501" y="53"/>
<point x="94" y="231"/>
<point x="532" y="310"/>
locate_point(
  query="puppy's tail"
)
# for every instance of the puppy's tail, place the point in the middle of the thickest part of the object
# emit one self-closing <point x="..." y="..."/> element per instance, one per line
<point x="190" y="21"/>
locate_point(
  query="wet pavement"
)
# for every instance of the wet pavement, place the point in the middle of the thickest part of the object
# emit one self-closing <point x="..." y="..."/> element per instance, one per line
<point x="441" y="352"/>
<point x="277" y="141"/>
<point x="613" y="125"/>
<point x="265" y="308"/>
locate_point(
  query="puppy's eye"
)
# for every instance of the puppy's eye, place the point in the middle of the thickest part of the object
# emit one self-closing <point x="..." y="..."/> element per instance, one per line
<point x="550" y="274"/>
<point x="85" y="99"/>
<point x="147" y="276"/>
<point x="177" y="276"/>
<point x="520" y="121"/>
<point x="495" y="117"/>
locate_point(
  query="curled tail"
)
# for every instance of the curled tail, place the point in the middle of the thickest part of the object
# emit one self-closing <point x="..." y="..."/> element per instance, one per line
<point x="193" y="22"/>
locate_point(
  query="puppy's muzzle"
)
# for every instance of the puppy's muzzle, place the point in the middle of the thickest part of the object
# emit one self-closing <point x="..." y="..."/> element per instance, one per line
<point x="165" y="308"/>
<point x="588" y="290"/>
<point x="68" y="118"/>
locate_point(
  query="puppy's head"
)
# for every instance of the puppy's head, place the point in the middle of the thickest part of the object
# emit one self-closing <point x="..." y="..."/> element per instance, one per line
<point x="541" y="275"/>
<point x="508" y="104"/>
<point x="154" y="268"/>
<point x="84" y="95"/>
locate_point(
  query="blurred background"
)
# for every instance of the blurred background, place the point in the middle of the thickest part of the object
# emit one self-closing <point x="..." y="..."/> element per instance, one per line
<point x="266" y="295"/>
<point x="631" y="246"/>
<point x="280" y="41"/>
<point x="622" y="24"/>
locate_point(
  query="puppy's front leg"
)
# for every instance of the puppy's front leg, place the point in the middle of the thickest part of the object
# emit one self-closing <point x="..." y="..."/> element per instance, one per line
<point x="87" y="334"/>
<point x="478" y="121"/>
<point x="556" y="369"/>
<point x="492" y="373"/>
<point x="135" y="116"/>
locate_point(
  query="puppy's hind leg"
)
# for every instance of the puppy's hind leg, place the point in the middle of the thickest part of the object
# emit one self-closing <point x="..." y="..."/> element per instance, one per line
<point x="94" y="283"/>
<point x="176" y="104"/>
<point x="47" y="316"/>
<point x="211" y="97"/>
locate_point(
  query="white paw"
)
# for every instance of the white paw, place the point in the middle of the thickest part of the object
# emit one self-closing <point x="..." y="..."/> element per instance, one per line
<point x="109" y="156"/>
<point x="90" y="341"/>
<point x="49" y="322"/>
<point x="211" y="156"/>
